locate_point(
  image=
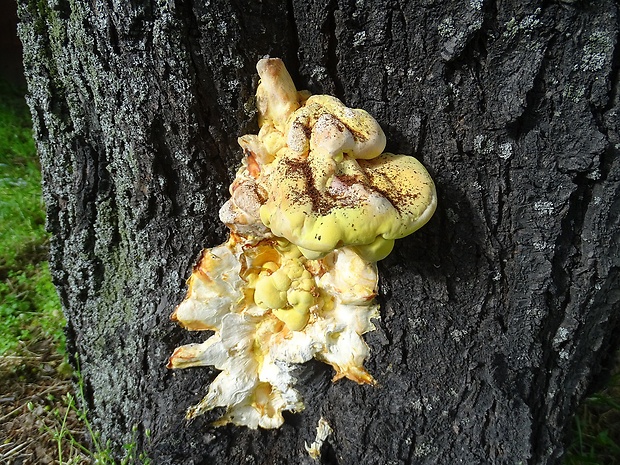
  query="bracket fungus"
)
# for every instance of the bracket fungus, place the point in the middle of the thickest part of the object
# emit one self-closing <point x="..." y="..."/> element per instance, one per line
<point x="315" y="204"/>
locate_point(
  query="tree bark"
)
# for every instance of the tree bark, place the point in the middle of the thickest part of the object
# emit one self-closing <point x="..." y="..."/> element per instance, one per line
<point x="496" y="317"/>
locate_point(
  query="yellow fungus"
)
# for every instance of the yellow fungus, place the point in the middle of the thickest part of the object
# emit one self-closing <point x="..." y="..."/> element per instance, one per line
<point x="313" y="207"/>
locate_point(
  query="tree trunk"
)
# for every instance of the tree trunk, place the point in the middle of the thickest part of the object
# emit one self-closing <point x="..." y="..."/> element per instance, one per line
<point x="495" y="317"/>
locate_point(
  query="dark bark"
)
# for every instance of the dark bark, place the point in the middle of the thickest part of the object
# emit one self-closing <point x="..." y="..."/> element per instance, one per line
<point x="495" y="317"/>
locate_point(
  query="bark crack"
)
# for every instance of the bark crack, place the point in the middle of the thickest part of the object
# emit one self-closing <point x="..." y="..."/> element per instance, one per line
<point x="331" y="30"/>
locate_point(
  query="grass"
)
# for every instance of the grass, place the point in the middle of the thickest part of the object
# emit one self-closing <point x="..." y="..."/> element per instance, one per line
<point x="29" y="306"/>
<point x="70" y="446"/>
<point x="42" y="413"/>
<point x="596" y="430"/>
<point x="43" y="418"/>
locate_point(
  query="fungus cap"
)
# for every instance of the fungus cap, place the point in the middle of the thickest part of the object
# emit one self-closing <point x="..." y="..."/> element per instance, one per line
<point x="368" y="205"/>
<point x="324" y="123"/>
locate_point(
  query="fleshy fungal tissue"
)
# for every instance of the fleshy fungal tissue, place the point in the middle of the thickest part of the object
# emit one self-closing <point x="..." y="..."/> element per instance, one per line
<point x="315" y="204"/>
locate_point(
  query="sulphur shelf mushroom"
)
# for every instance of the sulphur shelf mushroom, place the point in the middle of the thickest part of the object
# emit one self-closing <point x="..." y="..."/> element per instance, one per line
<point x="315" y="204"/>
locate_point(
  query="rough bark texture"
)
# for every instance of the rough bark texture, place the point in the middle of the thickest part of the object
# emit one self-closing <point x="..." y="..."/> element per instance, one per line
<point x="495" y="317"/>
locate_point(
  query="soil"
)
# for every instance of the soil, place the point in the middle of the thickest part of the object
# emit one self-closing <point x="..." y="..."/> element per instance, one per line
<point x="38" y="425"/>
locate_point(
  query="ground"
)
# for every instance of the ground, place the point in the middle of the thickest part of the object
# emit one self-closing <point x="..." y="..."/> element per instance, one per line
<point x="36" y="420"/>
